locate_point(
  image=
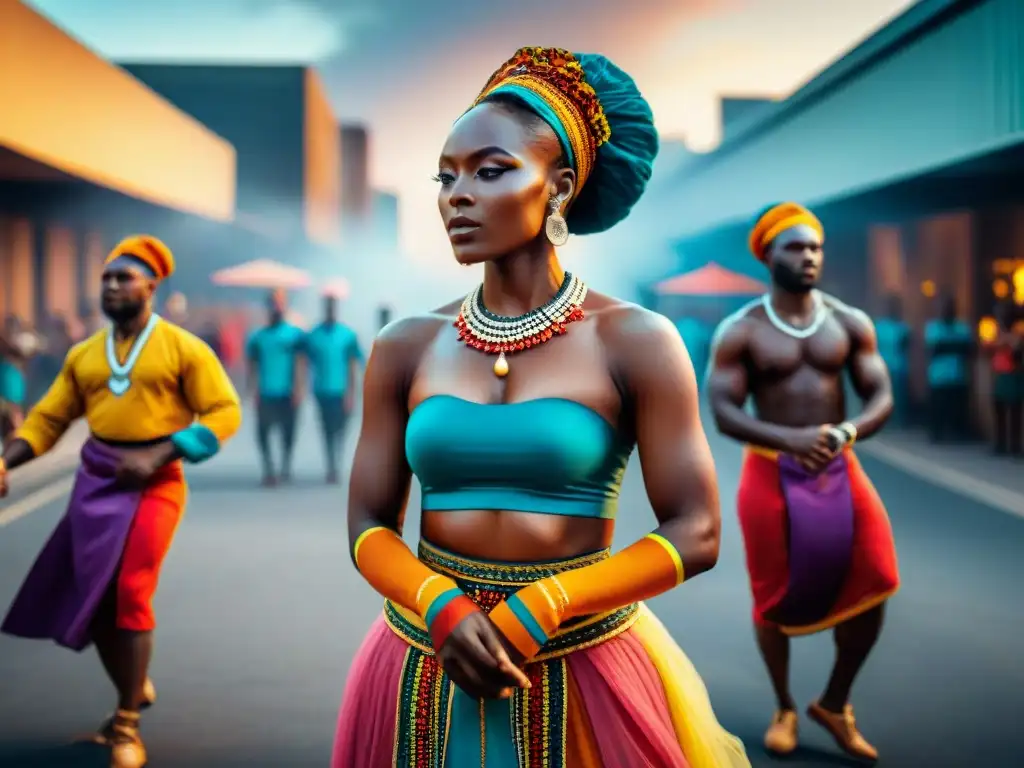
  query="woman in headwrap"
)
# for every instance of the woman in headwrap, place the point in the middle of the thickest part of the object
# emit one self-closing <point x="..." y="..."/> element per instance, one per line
<point x="515" y="638"/>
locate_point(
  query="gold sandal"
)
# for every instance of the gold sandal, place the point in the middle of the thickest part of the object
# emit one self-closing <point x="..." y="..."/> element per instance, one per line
<point x="104" y="735"/>
<point x="126" y="747"/>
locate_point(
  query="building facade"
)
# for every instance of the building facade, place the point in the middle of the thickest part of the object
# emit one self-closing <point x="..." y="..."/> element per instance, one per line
<point x="356" y="195"/>
<point x="910" y="148"/>
<point x="283" y="129"/>
<point x="74" y="181"/>
<point x="385" y="222"/>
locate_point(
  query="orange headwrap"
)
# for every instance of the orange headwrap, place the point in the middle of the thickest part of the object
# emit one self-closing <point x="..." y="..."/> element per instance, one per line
<point x="147" y="249"/>
<point x="777" y="220"/>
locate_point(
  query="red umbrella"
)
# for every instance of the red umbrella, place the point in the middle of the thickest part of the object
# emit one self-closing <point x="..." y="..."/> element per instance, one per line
<point x="711" y="280"/>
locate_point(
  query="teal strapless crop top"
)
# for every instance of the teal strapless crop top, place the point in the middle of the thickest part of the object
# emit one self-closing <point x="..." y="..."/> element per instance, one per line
<point x="550" y="456"/>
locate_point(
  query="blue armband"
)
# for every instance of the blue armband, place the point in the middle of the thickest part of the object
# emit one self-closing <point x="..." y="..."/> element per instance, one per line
<point x="196" y="444"/>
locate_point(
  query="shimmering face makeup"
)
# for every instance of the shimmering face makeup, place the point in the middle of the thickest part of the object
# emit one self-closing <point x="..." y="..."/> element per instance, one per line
<point x="494" y="184"/>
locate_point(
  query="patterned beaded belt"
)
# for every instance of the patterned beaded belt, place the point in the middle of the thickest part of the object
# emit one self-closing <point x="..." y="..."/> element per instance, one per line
<point x="489" y="583"/>
<point x="538" y="714"/>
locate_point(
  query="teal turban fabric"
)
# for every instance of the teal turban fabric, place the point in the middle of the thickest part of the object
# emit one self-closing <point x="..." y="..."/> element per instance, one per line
<point x="625" y="162"/>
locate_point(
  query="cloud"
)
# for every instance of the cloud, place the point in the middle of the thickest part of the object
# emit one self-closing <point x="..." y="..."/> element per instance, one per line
<point x="266" y="31"/>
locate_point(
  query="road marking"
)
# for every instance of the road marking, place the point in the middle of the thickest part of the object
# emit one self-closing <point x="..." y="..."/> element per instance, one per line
<point x="50" y="465"/>
<point x="35" y="501"/>
<point x="949" y="478"/>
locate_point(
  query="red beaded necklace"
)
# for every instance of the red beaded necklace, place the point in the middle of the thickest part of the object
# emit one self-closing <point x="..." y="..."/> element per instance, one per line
<point x="501" y="335"/>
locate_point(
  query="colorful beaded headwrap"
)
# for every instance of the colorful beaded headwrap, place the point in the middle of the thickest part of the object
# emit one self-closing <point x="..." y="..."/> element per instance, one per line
<point x="552" y="82"/>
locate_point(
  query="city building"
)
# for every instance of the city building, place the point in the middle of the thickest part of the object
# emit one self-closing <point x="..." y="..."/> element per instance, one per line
<point x="910" y="148"/>
<point x="384" y="219"/>
<point x="356" y="196"/>
<point x="284" y="132"/>
<point x="738" y="110"/>
<point x="87" y="155"/>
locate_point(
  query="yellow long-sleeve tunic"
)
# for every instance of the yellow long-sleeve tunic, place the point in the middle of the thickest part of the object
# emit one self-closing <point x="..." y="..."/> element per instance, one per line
<point x="179" y="390"/>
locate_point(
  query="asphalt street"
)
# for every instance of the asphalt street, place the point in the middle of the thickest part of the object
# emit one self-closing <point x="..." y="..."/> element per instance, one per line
<point x="261" y="612"/>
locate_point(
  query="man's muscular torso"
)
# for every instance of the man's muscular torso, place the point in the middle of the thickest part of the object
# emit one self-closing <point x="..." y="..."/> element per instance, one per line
<point x="796" y="384"/>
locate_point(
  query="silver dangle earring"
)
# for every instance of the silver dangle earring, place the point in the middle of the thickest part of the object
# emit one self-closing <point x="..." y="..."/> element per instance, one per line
<point x="555" y="228"/>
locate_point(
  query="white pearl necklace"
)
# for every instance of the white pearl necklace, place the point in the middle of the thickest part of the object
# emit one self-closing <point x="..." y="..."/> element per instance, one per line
<point x="820" y="313"/>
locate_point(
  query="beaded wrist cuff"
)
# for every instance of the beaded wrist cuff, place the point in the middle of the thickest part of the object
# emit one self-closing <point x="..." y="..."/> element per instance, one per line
<point x="446" y="613"/>
<point x="530" y="617"/>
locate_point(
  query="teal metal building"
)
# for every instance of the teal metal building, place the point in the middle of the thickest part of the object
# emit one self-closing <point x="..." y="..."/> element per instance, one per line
<point x="911" y="150"/>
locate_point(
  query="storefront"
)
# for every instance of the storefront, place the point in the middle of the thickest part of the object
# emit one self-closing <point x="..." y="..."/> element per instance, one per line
<point x="911" y="150"/>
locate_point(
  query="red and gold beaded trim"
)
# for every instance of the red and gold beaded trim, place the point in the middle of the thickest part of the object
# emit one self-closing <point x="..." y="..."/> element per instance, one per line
<point x="540" y="716"/>
<point x="493" y="334"/>
<point x="556" y="76"/>
<point x="423" y="714"/>
<point x="508" y="347"/>
<point x="584" y="148"/>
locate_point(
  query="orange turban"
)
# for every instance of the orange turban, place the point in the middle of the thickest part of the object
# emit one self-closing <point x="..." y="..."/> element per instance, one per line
<point x="147" y="249"/>
<point x="777" y="220"/>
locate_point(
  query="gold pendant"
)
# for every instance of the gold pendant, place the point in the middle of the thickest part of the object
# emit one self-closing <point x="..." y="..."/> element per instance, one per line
<point x="501" y="366"/>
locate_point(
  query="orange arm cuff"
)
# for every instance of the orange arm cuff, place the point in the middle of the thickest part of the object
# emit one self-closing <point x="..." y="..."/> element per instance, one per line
<point x="390" y="567"/>
<point x="641" y="571"/>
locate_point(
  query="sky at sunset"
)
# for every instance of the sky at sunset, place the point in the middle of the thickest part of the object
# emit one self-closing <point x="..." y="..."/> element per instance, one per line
<point x="409" y="67"/>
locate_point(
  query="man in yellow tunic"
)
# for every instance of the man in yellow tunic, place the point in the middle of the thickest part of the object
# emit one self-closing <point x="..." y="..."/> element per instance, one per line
<point x="153" y="396"/>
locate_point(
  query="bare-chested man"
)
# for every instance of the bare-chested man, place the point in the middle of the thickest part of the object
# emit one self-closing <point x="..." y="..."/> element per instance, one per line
<point x="819" y="546"/>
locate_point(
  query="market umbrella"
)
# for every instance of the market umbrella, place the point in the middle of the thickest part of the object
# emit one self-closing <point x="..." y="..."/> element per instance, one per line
<point x="262" y="273"/>
<point x="711" y="280"/>
<point x="336" y="288"/>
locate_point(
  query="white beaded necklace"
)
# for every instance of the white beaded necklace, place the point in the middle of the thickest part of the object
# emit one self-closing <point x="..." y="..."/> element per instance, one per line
<point x="120" y="373"/>
<point x="820" y="313"/>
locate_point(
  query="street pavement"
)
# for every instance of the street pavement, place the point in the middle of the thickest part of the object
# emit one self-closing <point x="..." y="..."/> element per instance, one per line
<point x="261" y="612"/>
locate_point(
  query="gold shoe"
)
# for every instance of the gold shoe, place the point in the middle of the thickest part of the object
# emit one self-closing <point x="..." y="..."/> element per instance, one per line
<point x="103" y="735"/>
<point x="126" y="748"/>
<point x="842" y="726"/>
<point x="781" y="736"/>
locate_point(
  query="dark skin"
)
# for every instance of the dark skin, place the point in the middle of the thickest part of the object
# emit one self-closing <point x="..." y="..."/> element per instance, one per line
<point x="797" y="387"/>
<point x="500" y="170"/>
<point x="126" y="297"/>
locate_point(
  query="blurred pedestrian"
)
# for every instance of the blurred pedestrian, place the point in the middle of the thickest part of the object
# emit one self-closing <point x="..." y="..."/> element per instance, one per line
<point x="894" y="346"/>
<point x="332" y="349"/>
<point x="13" y="391"/>
<point x="275" y="383"/>
<point x="949" y="343"/>
<point x="1006" y="352"/>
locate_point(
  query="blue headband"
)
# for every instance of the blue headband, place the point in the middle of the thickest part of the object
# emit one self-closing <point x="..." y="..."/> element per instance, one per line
<point x="536" y="104"/>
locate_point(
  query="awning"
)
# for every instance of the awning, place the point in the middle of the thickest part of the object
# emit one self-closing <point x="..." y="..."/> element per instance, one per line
<point x="711" y="280"/>
<point x="262" y="273"/>
<point x="67" y="109"/>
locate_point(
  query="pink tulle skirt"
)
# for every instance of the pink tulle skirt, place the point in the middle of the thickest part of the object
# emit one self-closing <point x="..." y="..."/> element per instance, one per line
<point x="619" y="711"/>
